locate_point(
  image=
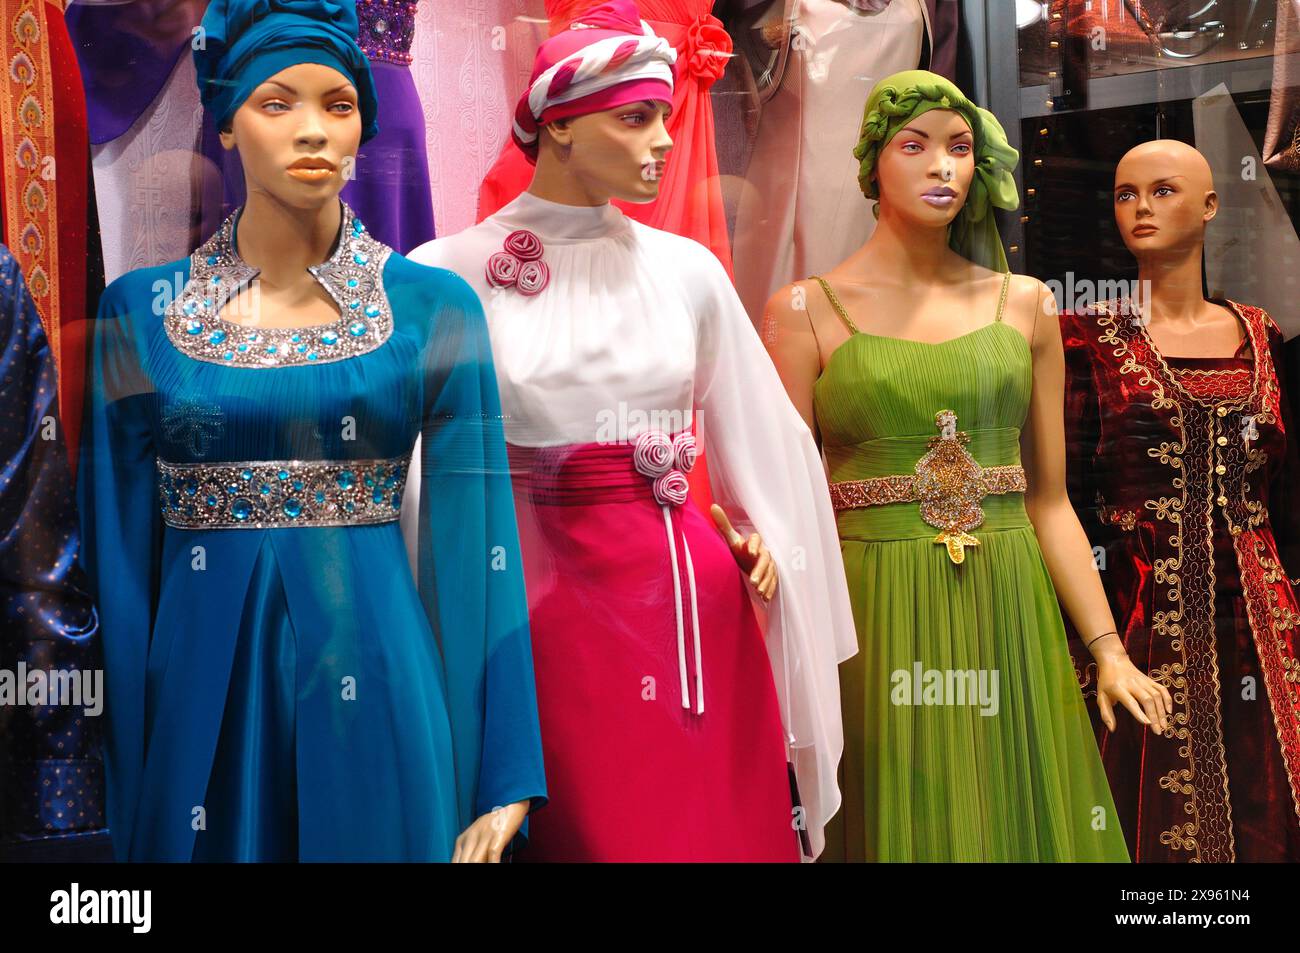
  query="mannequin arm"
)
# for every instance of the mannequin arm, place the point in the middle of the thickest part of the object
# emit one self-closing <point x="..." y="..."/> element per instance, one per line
<point x="788" y="335"/>
<point x="1066" y="550"/>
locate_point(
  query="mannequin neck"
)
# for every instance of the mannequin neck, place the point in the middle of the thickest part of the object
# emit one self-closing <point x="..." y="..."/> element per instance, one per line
<point x="909" y="251"/>
<point x="1172" y="284"/>
<point x="554" y="181"/>
<point x="283" y="241"/>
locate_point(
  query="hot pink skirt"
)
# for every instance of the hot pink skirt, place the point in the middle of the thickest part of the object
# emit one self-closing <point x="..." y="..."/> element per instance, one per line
<point x="653" y="751"/>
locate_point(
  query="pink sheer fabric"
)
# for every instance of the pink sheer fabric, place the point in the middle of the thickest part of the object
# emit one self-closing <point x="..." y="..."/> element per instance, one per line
<point x="690" y="198"/>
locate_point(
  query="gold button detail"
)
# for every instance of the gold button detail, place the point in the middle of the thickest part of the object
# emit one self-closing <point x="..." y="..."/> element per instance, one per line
<point x="1222" y="501"/>
<point x="1221" y="411"/>
<point x="1220" y="469"/>
<point x="1222" y="441"/>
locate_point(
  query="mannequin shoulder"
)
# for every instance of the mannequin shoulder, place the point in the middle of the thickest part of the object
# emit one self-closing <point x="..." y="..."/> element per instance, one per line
<point x="144" y="292"/>
<point x="417" y="290"/>
<point x="677" y="254"/>
<point x="788" y="311"/>
<point x="453" y="252"/>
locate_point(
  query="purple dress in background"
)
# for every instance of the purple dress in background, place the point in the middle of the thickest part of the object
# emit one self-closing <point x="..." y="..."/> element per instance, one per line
<point x="391" y="191"/>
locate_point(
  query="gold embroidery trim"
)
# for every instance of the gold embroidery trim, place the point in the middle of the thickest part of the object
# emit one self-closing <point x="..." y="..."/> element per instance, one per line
<point x="947" y="482"/>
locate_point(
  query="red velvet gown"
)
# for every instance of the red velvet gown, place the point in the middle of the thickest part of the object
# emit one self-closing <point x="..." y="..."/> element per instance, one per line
<point x="1186" y="482"/>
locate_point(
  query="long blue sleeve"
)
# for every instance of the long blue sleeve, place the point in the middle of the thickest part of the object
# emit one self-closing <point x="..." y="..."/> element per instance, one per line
<point x="122" y="531"/>
<point x="51" y="776"/>
<point x="469" y="568"/>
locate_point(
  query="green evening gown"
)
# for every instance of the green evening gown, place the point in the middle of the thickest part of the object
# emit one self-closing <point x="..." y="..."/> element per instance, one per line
<point x="1009" y="774"/>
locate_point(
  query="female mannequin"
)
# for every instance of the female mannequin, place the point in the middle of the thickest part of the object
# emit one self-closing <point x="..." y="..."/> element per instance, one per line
<point x="278" y="688"/>
<point x="689" y="200"/>
<point x="1182" y="468"/>
<point x="924" y="334"/>
<point x="605" y="332"/>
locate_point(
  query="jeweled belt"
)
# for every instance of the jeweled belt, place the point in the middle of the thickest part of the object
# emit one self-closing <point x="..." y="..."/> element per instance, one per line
<point x="263" y="494"/>
<point x="948" y="483"/>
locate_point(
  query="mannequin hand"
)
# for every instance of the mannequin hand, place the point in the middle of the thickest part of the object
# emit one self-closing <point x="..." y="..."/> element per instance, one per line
<point x="484" y="841"/>
<point x="751" y="555"/>
<point x="1118" y="680"/>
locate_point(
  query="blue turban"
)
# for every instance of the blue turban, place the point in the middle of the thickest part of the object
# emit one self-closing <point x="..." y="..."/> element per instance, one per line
<point x="246" y="42"/>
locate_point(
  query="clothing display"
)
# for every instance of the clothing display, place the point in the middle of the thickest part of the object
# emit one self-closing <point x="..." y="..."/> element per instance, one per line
<point x="51" y="774"/>
<point x="216" y="475"/>
<point x="633" y="328"/>
<point x="1186" y="470"/>
<point x="330" y="700"/>
<point x="800" y="211"/>
<point x="690" y="198"/>
<point x="1011" y="773"/>
<point x="385" y="545"/>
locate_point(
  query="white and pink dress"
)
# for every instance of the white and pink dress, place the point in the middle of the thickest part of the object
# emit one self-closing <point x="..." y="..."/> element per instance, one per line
<point x="668" y="712"/>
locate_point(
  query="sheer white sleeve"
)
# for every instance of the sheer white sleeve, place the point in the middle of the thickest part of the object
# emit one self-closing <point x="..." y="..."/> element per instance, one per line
<point x="766" y="472"/>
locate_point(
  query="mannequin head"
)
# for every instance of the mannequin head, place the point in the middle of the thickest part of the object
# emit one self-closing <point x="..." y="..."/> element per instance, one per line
<point x="1164" y="197"/>
<point x="287" y="85"/>
<point x="592" y="118"/>
<point x="923" y="174"/>
<point x="297" y="134"/>
<point x="617" y="153"/>
<point x="942" y="160"/>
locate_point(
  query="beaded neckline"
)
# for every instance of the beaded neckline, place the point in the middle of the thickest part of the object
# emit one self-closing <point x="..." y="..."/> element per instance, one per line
<point x="352" y="275"/>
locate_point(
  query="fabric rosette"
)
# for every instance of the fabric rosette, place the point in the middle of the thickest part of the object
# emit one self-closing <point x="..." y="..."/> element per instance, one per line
<point x="533" y="277"/>
<point x="524" y="245"/>
<point x="685" y="451"/>
<point x="503" y="270"/>
<point x="665" y="461"/>
<point x="519" y="264"/>
<point x="652" y="453"/>
<point x="671" y="489"/>
<point x="707" y="50"/>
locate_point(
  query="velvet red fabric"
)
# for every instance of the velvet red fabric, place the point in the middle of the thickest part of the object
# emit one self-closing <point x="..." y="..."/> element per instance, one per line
<point x="1184" y="472"/>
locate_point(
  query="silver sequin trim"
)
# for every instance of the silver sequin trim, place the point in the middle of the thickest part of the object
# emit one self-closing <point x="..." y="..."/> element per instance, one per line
<point x="264" y="494"/>
<point x="353" y="276"/>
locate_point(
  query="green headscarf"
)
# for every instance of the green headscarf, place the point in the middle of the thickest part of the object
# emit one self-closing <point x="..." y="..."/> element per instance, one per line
<point x="899" y="99"/>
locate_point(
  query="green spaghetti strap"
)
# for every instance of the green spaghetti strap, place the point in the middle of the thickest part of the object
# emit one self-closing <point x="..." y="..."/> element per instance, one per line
<point x="835" y="303"/>
<point x="1006" y="280"/>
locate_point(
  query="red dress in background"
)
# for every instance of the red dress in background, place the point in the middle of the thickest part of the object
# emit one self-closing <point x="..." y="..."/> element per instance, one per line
<point x="1182" y="472"/>
<point x="44" y="184"/>
<point x="690" y="197"/>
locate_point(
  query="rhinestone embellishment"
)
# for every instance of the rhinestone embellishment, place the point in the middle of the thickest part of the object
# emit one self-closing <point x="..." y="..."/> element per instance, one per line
<point x="947" y="482"/>
<point x="273" y="493"/>
<point x="353" y="276"/>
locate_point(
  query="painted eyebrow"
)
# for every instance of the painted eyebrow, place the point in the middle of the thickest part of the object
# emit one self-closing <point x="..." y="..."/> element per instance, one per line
<point x="652" y="104"/>
<point x="1159" y="181"/>
<point x="289" y="89"/>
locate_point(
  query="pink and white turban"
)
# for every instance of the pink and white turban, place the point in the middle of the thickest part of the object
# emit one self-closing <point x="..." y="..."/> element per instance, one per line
<point x="608" y="57"/>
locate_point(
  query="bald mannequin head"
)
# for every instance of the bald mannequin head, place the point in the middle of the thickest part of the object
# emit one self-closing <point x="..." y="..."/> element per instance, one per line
<point x="1164" y="197"/>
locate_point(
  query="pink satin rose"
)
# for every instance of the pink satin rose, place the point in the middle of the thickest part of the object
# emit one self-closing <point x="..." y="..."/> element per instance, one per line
<point x="502" y="270"/>
<point x="652" y="453"/>
<point x="672" y="488"/>
<point x="684" y="451"/>
<point x="533" y="277"/>
<point x="524" y="245"/>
